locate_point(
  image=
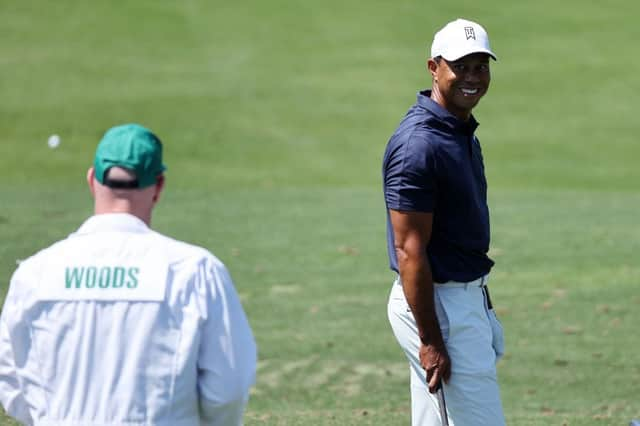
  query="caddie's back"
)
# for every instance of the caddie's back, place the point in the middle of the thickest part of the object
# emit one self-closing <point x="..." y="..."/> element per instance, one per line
<point x="113" y="319"/>
<point x="118" y="324"/>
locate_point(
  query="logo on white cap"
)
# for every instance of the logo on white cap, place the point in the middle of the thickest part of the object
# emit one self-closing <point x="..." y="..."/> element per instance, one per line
<point x="468" y="31"/>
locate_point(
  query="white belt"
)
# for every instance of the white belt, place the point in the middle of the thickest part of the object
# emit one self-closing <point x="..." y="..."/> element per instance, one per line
<point x="480" y="282"/>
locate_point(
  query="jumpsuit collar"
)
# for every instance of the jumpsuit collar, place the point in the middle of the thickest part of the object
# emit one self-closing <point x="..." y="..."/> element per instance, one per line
<point x="123" y="222"/>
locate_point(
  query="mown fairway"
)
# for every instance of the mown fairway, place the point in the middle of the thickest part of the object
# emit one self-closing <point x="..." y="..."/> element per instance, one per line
<point x="275" y="116"/>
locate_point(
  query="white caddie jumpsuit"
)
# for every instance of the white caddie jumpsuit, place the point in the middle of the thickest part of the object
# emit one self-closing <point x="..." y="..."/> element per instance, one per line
<point x="120" y="325"/>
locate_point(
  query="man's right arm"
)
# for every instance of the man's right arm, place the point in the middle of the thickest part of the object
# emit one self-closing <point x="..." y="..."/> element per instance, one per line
<point x="412" y="232"/>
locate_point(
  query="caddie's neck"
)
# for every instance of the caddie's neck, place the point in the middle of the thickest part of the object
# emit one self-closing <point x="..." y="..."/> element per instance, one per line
<point x="137" y="202"/>
<point x="121" y="206"/>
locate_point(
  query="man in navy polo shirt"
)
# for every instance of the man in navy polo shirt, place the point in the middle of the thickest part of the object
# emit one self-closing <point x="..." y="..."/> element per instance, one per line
<point x="438" y="238"/>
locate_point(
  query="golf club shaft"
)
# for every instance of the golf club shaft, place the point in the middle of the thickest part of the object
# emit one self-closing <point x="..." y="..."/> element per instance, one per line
<point x="442" y="406"/>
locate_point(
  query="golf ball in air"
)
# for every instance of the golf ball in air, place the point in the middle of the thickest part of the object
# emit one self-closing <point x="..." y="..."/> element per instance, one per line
<point x="54" y="141"/>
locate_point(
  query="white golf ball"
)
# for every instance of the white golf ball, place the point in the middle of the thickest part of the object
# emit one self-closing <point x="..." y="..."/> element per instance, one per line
<point x="54" y="141"/>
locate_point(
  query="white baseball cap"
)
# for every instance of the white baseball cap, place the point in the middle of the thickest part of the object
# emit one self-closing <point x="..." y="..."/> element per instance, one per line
<point x="460" y="38"/>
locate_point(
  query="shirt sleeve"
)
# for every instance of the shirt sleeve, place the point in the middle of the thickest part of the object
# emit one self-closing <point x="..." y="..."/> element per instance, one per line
<point x="227" y="354"/>
<point x="409" y="175"/>
<point x="11" y="392"/>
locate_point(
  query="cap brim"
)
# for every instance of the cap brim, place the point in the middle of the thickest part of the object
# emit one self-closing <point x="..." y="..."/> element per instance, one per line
<point x="456" y="56"/>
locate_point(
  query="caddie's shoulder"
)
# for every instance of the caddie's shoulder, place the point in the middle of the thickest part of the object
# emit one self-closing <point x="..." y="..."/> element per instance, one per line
<point x="28" y="269"/>
<point x="179" y="251"/>
<point x="36" y="259"/>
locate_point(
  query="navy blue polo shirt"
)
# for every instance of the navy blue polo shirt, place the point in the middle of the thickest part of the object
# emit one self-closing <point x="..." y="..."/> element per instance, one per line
<point x="433" y="163"/>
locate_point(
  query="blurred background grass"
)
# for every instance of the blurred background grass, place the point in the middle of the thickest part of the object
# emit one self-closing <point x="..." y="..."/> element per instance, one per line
<point x="274" y="117"/>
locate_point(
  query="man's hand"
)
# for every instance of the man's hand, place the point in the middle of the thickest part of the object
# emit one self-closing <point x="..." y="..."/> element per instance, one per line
<point x="435" y="360"/>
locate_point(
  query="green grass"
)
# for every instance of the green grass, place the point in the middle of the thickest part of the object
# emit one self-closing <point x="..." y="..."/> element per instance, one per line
<point x="275" y="116"/>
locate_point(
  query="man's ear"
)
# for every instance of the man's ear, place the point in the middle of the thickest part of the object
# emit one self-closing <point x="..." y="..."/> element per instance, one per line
<point x="432" y="66"/>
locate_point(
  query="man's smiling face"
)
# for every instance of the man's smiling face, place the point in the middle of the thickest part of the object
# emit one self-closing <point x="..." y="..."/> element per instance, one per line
<point x="458" y="85"/>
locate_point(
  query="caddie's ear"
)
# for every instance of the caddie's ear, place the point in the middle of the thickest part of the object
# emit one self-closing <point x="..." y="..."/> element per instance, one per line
<point x="91" y="173"/>
<point x="159" y="187"/>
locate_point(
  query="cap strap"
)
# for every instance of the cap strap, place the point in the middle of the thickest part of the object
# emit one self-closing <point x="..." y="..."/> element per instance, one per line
<point x="121" y="184"/>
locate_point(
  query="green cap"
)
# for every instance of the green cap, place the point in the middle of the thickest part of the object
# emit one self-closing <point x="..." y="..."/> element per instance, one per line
<point x="132" y="147"/>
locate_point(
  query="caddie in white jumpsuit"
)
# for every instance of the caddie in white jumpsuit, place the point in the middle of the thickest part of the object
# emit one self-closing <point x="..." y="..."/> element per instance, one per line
<point x="120" y="325"/>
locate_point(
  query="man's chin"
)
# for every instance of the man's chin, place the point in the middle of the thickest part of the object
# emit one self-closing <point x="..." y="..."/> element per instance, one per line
<point x="469" y="102"/>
